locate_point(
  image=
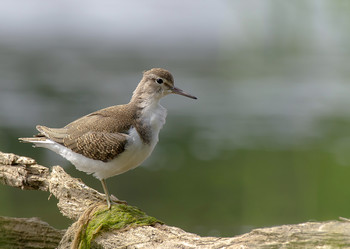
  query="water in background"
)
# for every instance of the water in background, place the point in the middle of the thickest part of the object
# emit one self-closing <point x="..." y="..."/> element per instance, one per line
<point x="266" y="143"/>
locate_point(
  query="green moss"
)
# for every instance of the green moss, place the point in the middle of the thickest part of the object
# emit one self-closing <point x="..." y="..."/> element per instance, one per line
<point x="120" y="216"/>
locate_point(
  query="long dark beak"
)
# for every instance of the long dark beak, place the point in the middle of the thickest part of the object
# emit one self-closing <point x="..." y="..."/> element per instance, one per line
<point x="180" y="92"/>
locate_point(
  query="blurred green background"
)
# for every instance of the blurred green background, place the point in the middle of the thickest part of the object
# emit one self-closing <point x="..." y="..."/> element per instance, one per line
<point x="266" y="143"/>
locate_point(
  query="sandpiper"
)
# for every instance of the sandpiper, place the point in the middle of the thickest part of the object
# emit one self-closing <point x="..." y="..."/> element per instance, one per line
<point x="116" y="139"/>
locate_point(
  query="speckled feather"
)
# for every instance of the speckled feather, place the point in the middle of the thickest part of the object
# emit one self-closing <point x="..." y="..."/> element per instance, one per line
<point x="101" y="135"/>
<point x="118" y="138"/>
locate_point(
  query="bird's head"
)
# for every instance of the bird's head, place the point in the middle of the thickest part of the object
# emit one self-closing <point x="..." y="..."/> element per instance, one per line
<point x="157" y="83"/>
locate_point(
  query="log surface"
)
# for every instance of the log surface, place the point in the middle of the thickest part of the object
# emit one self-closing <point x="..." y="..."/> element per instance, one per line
<point x="78" y="202"/>
<point x="28" y="233"/>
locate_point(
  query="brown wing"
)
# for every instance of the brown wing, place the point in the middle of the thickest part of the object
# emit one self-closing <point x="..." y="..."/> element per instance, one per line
<point x="100" y="135"/>
<point x="95" y="145"/>
<point x="112" y="120"/>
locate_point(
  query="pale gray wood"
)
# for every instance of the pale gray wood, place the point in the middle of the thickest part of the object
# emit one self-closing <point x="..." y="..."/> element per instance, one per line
<point x="28" y="233"/>
<point x="75" y="198"/>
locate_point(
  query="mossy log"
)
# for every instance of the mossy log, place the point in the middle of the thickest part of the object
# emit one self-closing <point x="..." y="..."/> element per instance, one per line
<point x="125" y="226"/>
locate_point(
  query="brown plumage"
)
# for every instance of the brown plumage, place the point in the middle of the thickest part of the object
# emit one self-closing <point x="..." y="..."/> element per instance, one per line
<point x="116" y="139"/>
<point x="101" y="135"/>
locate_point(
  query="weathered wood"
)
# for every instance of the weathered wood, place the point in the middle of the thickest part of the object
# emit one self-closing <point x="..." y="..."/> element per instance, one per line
<point x="28" y="233"/>
<point x="74" y="197"/>
<point x="331" y="234"/>
<point x="128" y="227"/>
<point x="24" y="173"/>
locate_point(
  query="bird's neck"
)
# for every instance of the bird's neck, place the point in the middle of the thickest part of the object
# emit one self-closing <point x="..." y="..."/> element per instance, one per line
<point x="150" y="115"/>
<point x="144" y="98"/>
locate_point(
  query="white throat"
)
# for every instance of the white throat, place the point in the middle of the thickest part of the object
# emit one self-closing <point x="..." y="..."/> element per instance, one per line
<point x="153" y="115"/>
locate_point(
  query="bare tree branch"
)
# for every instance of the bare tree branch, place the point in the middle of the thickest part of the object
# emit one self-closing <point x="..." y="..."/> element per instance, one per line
<point x="128" y="227"/>
<point x="73" y="195"/>
<point x="37" y="234"/>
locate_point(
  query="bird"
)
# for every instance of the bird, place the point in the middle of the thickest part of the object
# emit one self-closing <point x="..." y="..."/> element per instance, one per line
<point x="116" y="139"/>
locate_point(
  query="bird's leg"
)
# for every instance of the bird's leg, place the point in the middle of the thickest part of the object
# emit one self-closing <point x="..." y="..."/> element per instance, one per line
<point x="105" y="189"/>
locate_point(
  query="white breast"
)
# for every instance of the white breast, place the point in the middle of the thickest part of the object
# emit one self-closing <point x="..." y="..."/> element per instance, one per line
<point x="154" y="115"/>
<point x="134" y="154"/>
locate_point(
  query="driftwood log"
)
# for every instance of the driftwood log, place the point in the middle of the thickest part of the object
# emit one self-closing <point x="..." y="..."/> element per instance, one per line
<point x="128" y="227"/>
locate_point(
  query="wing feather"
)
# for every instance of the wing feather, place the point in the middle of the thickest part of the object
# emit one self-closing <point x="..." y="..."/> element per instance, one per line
<point x="101" y="135"/>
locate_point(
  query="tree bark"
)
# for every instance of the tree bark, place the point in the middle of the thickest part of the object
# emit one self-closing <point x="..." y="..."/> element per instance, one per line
<point x="128" y="227"/>
<point x="28" y="233"/>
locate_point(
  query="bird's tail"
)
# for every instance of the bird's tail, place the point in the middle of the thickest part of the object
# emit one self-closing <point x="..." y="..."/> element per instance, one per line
<point x="32" y="139"/>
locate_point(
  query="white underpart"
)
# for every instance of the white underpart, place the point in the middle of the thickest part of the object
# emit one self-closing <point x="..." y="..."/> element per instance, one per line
<point x="134" y="154"/>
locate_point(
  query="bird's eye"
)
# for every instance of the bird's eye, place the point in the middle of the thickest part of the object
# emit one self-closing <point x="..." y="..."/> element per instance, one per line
<point x="159" y="81"/>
